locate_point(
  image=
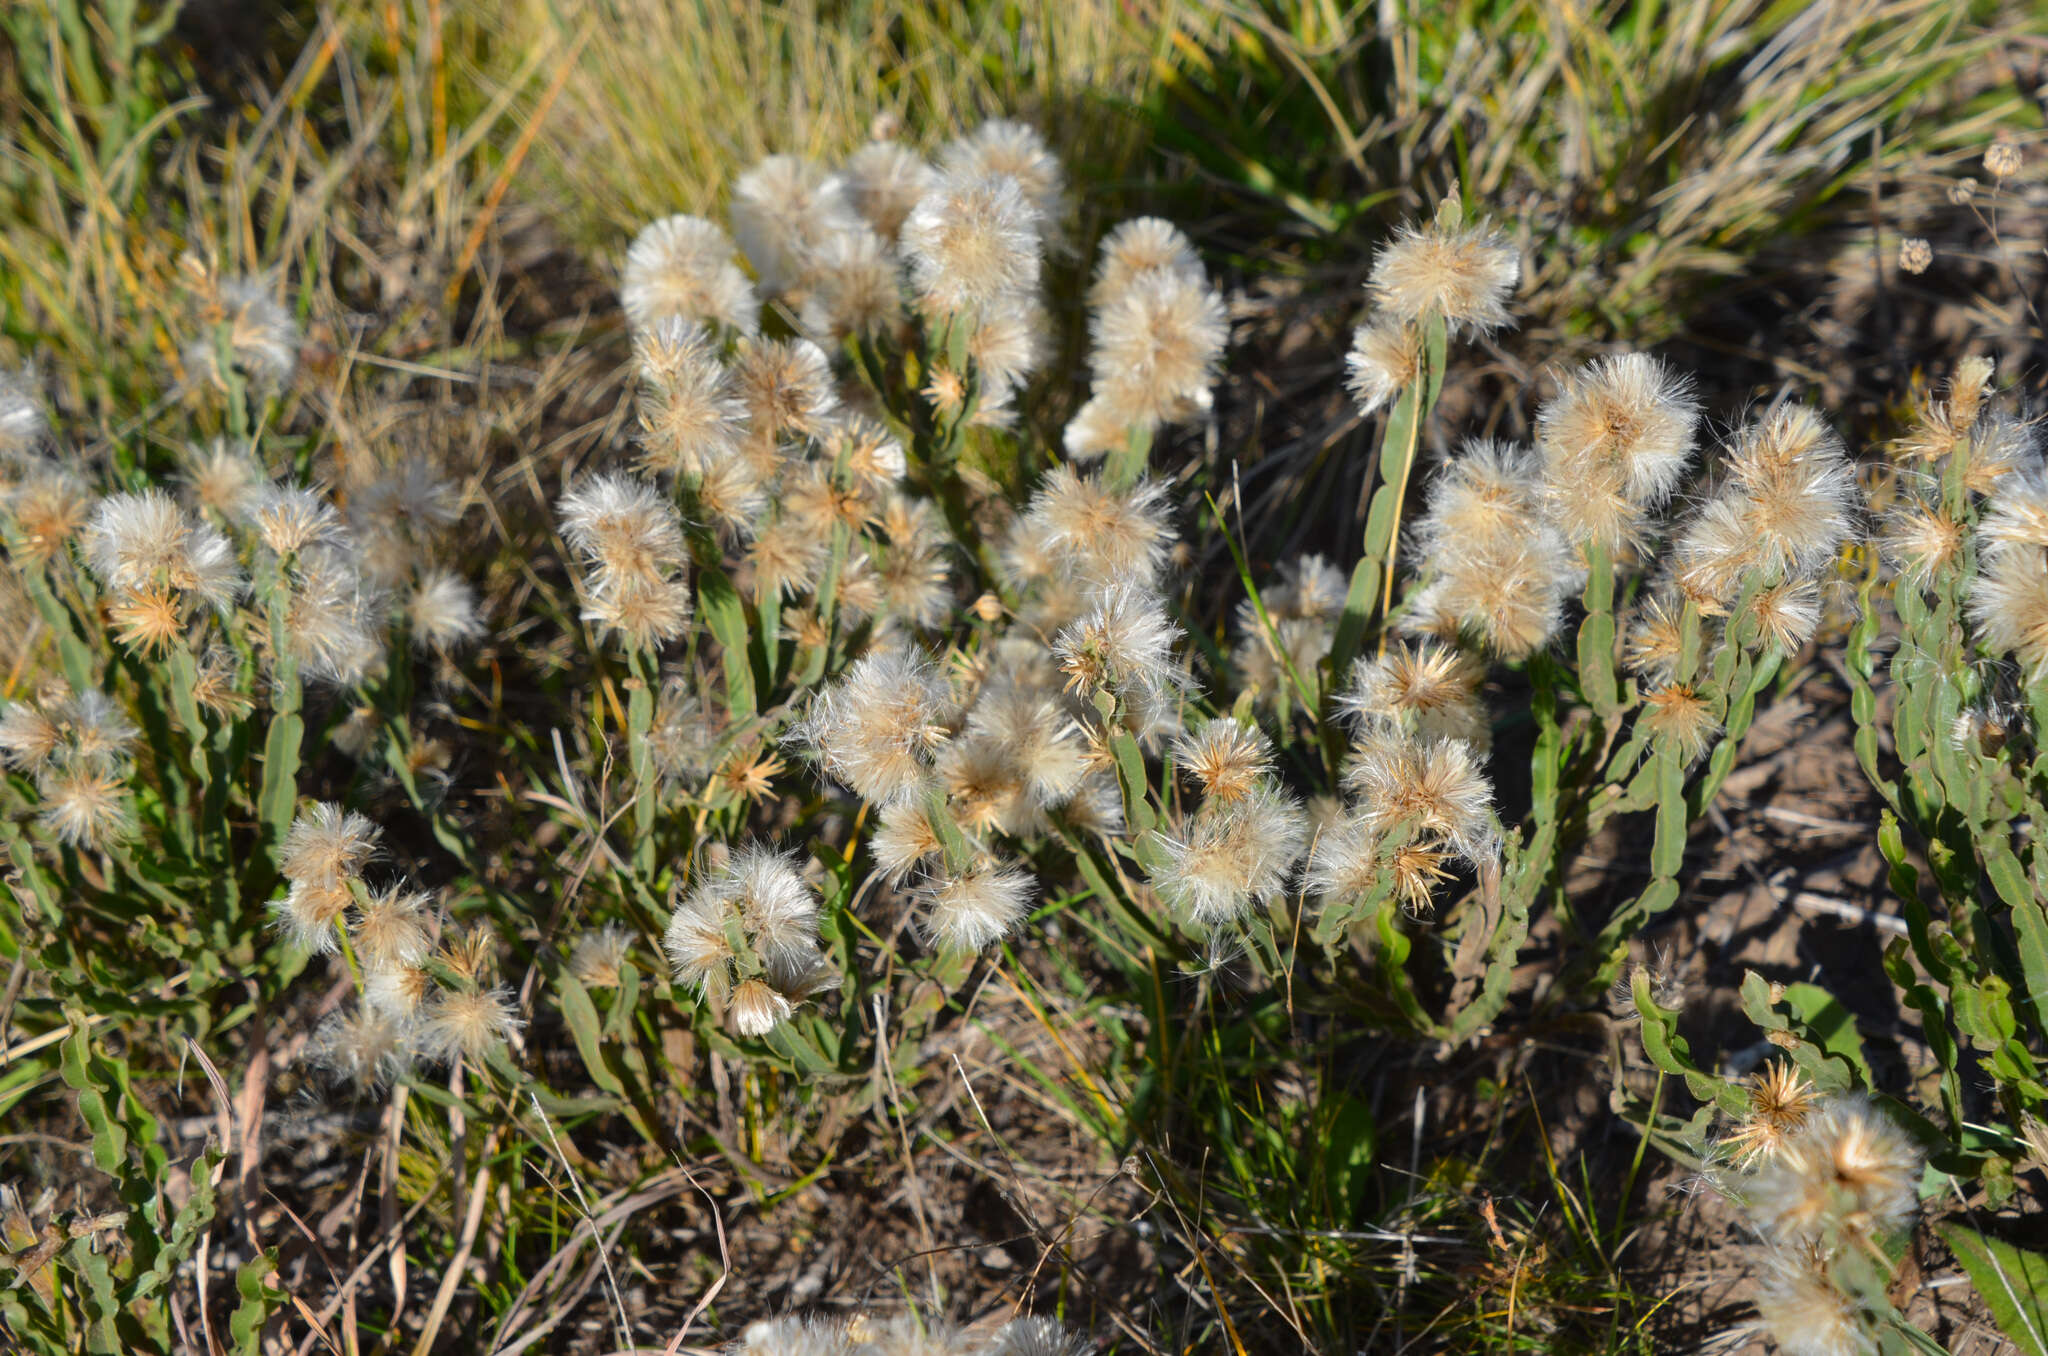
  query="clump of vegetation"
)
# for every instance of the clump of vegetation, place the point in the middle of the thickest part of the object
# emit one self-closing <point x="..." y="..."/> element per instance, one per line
<point x="575" y="798"/>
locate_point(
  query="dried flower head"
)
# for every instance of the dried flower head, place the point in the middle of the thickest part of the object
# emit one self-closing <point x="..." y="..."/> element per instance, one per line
<point x="1157" y="346"/>
<point x="1614" y="443"/>
<point x="783" y="210"/>
<point x="884" y="181"/>
<point x="1384" y="359"/>
<point x="1780" y="1100"/>
<point x="1915" y="254"/>
<point x="327" y="845"/>
<point x="1226" y="758"/>
<point x="2002" y="160"/>
<point x="681" y="268"/>
<point x="972" y="910"/>
<point x="879" y="729"/>
<point x="468" y="1024"/>
<point x="1847" y="1170"/>
<point x="971" y="241"/>
<point x="1463" y="274"/>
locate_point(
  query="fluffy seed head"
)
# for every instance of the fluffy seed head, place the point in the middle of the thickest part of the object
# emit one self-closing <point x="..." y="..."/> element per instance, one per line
<point x="1621" y="426"/>
<point x="681" y="268"/>
<point x="1013" y="150"/>
<point x="1487" y="496"/>
<point x="392" y="928"/>
<point x="974" y="909"/>
<point x="49" y="507"/>
<point x="28" y="738"/>
<point x="691" y="417"/>
<point x="327" y="845"/>
<point x="972" y="240"/>
<point x="1678" y="714"/>
<point x="783" y="210"/>
<point x="262" y="340"/>
<point x="309" y="911"/>
<point x="1226" y="758"/>
<point x="22" y="425"/>
<point x="1124" y="642"/>
<point x="786" y="386"/>
<point x="1848" y="1169"/>
<point x="1463" y="274"/>
<point x="1920" y="540"/>
<point x="884" y="181"/>
<point x="1232" y="854"/>
<point x="599" y="957"/>
<point x="1806" y="1314"/>
<point x="85" y="803"/>
<point x="1780" y="1100"/>
<point x="880" y="727"/>
<point x="1434" y="786"/>
<point x="135" y="541"/>
<point x="363" y="1049"/>
<point x="1422" y="689"/>
<point x="1384" y="358"/>
<point x="468" y="1024"/>
<point x="1103" y="536"/>
<point x="855" y="287"/>
<point x="1157" y="348"/>
<point x="1138" y="247"/>
<point x="443" y="610"/>
<point x="2009" y="606"/>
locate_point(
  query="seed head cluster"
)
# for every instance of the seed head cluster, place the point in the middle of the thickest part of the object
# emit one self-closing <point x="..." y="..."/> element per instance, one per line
<point x="746" y="938"/>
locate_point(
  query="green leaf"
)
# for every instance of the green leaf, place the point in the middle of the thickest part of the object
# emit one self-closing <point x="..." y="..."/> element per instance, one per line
<point x="255" y="1303"/>
<point x="726" y="618"/>
<point x="2012" y="1281"/>
<point x="1349" y="1143"/>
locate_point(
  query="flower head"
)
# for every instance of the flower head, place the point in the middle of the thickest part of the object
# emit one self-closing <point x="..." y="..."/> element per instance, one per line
<point x="469" y="1024"/>
<point x="1614" y="444"/>
<point x="1157" y="348"/>
<point x="681" y="268"/>
<point x="974" y="909"/>
<point x="1384" y="358"/>
<point x="1463" y="274"/>
<point x="972" y="240"/>
<point x="880" y="728"/>
<point x="884" y="180"/>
